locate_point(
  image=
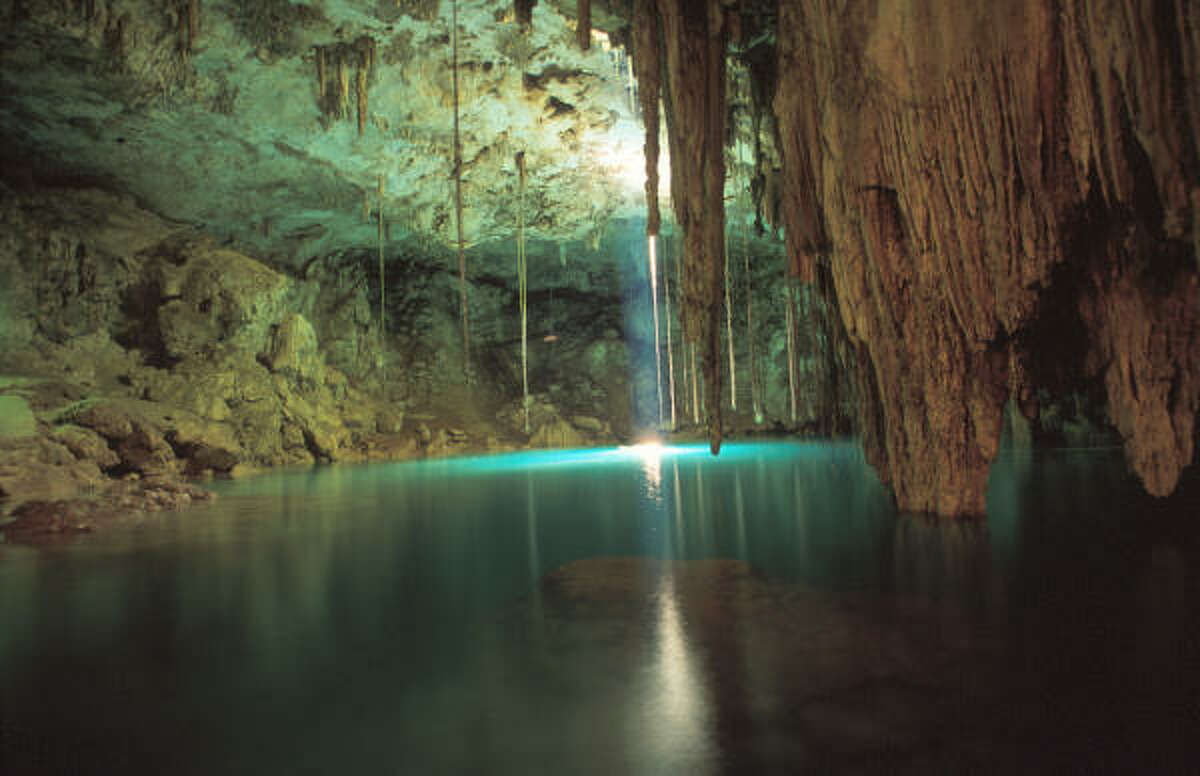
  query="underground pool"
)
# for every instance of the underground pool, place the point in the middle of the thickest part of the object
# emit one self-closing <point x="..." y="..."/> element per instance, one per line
<point x="649" y="609"/>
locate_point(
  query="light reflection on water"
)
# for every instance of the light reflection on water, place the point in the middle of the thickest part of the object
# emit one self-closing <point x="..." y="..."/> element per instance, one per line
<point x="384" y="615"/>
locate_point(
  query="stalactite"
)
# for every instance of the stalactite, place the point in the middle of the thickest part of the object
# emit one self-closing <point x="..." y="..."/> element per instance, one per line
<point x="382" y="285"/>
<point x="763" y="75"/>
<point x="458" y="206"/>
<point x="343" y="89"/>
<point x="360" y="88"/>
<point x="334" y="62"/>
<point x="193" y="17"/>
<point x="322" y="92"/>
<point x="583" y="30"/>
<point x="523" y="11"/>
<point x="694" y="34"/>
<point x="790" y="322"/>
<point x="648" y="67"/>
<point x="755" y="388"/>
<point x="523" y="287"/>
<point x="365" y="49"/>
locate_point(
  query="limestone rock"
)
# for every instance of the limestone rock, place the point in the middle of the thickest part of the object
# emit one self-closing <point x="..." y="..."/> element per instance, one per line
<point x="979" y="181"/>
<point x="218" y="297"/>
<point x="557" y="433"/>
<point x="548" y="427"/>
<point x="389" y="421"/>
<point x="294" y="349"/>
<point x="86" y="445"/>
<point x="37" y="468"/>
<point x="16" y="418"/>
<point x="110" y="419"/>
<point x="207" y="446"/>
<point x="151" y="438"/>
<point x="145" y="450"/>
<point x="206" y="392"/>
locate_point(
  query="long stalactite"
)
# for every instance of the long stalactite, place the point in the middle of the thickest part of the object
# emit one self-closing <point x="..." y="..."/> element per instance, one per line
<point x="583" y="30"/>
<point x="458" y="204"/>
<point x="648" y="69"/>
<point x="694" y="36"/>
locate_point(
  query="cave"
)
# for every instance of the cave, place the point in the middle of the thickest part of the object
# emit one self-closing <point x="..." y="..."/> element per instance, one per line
<point x="628" y="386"/>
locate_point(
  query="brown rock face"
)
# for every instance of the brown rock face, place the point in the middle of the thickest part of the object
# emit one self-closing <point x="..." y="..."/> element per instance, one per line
<point x="963" y="168"/>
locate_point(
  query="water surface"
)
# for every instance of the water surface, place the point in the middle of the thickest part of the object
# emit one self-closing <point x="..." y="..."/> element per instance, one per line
<point x="617" y="611"/>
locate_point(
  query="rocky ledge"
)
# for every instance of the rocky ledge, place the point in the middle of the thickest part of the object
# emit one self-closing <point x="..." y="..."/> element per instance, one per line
<point x="137" y="358"/>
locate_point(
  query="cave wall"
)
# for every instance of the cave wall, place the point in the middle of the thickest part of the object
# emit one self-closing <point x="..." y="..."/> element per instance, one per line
<point x="967" y="170"/>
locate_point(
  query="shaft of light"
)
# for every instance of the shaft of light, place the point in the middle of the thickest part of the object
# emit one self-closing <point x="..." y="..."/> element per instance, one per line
<point x="729" y="328"/>
<point x="670" y="350"/>
<point x="652" y="242"/>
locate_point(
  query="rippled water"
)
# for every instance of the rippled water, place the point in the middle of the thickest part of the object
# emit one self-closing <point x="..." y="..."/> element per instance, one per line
<point x="623" y="611"/>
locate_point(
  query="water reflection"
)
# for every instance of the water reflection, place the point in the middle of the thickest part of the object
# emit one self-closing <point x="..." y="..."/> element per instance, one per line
<point x="674" y="706"/>
<point x="739" y="612"/>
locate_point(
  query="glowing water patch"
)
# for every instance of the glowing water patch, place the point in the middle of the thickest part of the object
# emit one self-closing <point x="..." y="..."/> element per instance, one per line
<point x="649" y="454"/>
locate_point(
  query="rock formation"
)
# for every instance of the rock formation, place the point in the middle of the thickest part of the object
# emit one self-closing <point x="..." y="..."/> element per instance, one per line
<point x="967" y="170"/>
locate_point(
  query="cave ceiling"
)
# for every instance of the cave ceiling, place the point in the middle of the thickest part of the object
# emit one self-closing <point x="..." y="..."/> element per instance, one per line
<point x="235" y="132"/>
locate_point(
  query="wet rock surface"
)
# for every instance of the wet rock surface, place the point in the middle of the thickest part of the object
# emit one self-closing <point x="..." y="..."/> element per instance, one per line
<point x="999" y="193"/>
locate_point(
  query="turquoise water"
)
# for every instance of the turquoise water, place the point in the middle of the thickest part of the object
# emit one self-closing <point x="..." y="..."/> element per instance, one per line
<point x="583" y="612"/>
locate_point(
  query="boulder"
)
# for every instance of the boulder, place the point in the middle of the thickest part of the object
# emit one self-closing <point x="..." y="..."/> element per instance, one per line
<point x="218" y="297"/>
<point x="206" y="445"/>
<point x="37" y="468"/>
<point x="109" y="418"/>
<point x="86" y="445"/>
<point x="145" y="450"/>
<point x="147" y="437"/>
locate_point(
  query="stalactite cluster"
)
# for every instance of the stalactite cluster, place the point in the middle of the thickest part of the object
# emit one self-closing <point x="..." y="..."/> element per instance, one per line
<point x="648" y="70"/>
<point x="694" y="34"/>
<point x="959" y="187"/>
<point x="334" y="63"/>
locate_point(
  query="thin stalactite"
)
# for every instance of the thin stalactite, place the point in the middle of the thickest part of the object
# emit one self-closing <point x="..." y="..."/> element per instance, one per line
<point x="382" y="279"/>
<point x="583" y="30"/>
<point x="458" y="206"/>
<point x="193" y="28"/>
<point x="360" y="88"/>
<point x="648" y="69"/>
<point x="321" y="63"/>
<point x="523" y="287"/>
